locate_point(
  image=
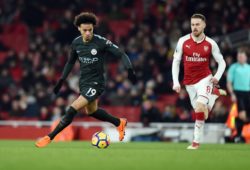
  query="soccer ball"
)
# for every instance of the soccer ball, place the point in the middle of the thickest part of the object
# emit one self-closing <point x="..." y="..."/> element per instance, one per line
<point x="100" y="140"/>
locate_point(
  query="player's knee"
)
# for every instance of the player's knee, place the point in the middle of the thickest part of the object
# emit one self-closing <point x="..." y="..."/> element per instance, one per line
<point x="90" y="110"/>
<point x="91" y="107"/>
<point x="200" y="107"/>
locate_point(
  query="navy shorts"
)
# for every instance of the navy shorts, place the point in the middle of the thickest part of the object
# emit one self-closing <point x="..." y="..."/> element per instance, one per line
<point x="91" y="92"/>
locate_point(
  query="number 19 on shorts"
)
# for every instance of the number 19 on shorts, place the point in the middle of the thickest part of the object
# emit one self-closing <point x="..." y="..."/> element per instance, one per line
<point x="91" y="92"/>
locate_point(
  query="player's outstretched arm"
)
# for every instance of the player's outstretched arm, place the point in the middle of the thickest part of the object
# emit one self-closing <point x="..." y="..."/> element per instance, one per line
<point x="66" y="70"/>
<point x="114" y="49"/>
<point x="58" y="86"/>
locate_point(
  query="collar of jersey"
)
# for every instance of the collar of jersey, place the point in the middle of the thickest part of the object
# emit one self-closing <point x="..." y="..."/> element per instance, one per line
<point x="88" y="41"/>
<point x="198" y="41"/>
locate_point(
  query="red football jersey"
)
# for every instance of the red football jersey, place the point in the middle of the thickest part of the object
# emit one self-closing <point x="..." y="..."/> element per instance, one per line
<point x="196" y="57"/>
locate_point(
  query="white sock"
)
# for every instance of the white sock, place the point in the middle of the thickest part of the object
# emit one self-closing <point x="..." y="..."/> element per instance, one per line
<point x="198" y="130"/>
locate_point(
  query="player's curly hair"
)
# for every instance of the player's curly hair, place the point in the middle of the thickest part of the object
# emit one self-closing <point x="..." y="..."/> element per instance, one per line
<point x="85" y="18"/>
<point x="200" y="16"/>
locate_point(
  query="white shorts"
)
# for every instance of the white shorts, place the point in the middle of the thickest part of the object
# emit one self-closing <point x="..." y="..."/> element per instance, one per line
<point x="202" y="92"/>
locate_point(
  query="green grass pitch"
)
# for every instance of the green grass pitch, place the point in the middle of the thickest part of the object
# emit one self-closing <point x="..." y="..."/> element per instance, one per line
<point x="23" y="155"/>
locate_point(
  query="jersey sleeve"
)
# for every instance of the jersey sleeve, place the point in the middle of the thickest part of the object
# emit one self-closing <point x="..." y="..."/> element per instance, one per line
<point x="115" y="50"/>
<point x="70" y="63"/>
<point x="176" y="62"/>
<point x="219" y="59"/>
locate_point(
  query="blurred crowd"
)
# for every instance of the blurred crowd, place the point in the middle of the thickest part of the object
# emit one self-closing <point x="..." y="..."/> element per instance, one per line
<point x="27" y="77"/>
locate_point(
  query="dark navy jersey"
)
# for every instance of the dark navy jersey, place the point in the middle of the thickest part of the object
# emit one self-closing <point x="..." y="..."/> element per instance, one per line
<point x="91" y="58"/>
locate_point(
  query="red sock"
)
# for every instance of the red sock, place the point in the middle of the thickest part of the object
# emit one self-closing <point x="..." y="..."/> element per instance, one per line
<point x="200" y="116"/>
<point x="195" y="144"/>
<point x="216" y="91"/>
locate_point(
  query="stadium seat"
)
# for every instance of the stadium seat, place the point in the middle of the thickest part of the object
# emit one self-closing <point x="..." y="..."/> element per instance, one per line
<point x="3" y="56"/>
<point x="123" y="25"/>
<point x="15" y="36"/>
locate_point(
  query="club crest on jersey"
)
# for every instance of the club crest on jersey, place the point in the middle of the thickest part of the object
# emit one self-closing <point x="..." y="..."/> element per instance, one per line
<point x="205" y="48"/>
<point x="93" y="51"/>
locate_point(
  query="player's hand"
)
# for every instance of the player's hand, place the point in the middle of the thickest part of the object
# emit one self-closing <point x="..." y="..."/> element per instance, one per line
<point x="58" y="86"/>
<point x="177" y="88"/>
<point x="214" y="81"/>
<point x="132" y="76"/>
<point x="233" y="97"/>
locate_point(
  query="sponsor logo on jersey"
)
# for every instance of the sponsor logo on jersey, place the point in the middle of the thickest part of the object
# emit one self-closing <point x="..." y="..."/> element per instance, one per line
<point x="196" y="58"/>
<point x="93" y="51"/>
<point x="86" y="60"/>
<point x="188" y="46"/>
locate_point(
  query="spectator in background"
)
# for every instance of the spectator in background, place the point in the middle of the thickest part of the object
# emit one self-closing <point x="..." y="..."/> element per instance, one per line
<point x="149" y="113"/>
<point x="5" y="103"/>
<point x="149" y="92"/>
<point x="135" y="97"/>
<point x="18" y="107"/>
<point x="6" y="79"/>
<point x="120" y="98"/>
<point x="183" y="106"/>
<point x="44" y="114"/>
<point x="219" y="113"/>
<point x="169" y="114"/>
<point x="182" y="101"/>
<point x="238" y="84"/>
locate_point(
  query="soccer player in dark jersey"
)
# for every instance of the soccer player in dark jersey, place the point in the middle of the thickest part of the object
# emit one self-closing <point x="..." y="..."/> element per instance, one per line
<point x="89" y="50"/>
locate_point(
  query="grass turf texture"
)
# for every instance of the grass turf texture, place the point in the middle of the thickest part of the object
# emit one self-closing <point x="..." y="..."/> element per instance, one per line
<point x="140" y="156"/>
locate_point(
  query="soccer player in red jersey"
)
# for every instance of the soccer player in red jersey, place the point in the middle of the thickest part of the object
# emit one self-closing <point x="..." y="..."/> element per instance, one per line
<point x="195" y="50"/>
